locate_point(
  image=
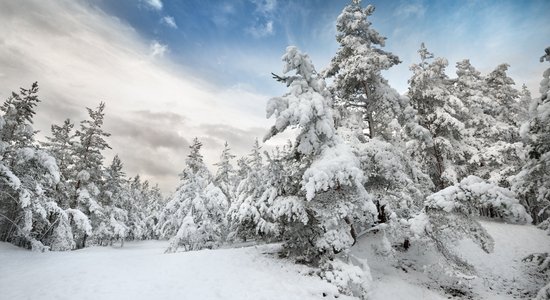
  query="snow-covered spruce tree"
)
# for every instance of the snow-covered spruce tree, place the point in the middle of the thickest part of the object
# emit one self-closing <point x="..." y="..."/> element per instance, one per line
<point x="368" y="104"/>
<point x="525" y="100"/>
<point x="112" y="198"/>
<point x="59" y="145"/>
<point x="331" y="196"/>
<point x="195" y="216"/>
<point x="137" y="205"/>
<point x="155" y="203"/>
<point x="317" y="217"/>
<point x="439" y="143"/>
<point x="498" y="141"/>
<point x="225" y="175"/>
<point x="29" y="216"/>
<point x="505" y="108"/>
<point x="532" y="184"/>
<point x="243" y="214"/>
<point x="88" y="170"/>
<point x="357" y="66"/>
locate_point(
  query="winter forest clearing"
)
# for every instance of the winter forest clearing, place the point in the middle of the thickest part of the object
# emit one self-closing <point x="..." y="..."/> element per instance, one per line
<point x="103" y="272"/>
<point x="355" y="190"/>
<point x="253" y="272"/>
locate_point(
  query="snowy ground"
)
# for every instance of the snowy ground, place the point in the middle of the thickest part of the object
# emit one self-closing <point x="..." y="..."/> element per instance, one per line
<point x="142" y="271"/>
<point x="500" y="275"/>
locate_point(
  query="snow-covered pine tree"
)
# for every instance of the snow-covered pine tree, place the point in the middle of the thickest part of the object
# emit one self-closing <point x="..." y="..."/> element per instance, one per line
<point x="357" y="66"/>
<point x="317" y="221"/>
<point x="29" y="216"/>
<point x="525" y="100"/>
<point x="369" y="104"/>
<point x="440" y="142"/>
<point x="59" y="145"/>
<point x="88" y="169"/>
<point x="225" y="175"/>
<point x="505" y="107"/>
<point x="498" y="140"/>
<point x="136" y="205"/>
<point x="112" y="199"/>
<point x="243" y="214"/>
<point x="532" y="184"/>
<point x="155" y="203"/>
<point x="195" y="216"/>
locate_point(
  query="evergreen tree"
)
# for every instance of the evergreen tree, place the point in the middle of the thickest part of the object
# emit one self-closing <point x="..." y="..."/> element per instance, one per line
<point x="525" y="100"/>
<point x="317" y="220"/>
<point x="225" y="175"/>
<point x="440" y="142"/>
<point x="195" y="216"/>
<point x="532" y="184"/>
<point x="357" y="67"/>
<point x="243" y="214"/>
<point x="29" y="216"/>
<point x="88" y="169"/>
<point x="113" y="223"/>
<point x="59" y="145"/>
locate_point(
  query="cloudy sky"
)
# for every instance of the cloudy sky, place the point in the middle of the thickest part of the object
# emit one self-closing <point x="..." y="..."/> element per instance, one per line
<point x="170" y="70"/>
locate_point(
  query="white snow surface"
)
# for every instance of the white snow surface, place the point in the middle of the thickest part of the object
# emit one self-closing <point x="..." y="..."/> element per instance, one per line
<point x="141" y="270"/>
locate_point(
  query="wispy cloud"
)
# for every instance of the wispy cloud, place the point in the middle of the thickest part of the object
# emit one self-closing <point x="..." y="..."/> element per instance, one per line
<point x="154" y="4"/>
<point x="157" y="49"/>
<point x="265" y="6"/>
<point x="410" y="9"/>
<point x="262" y="30"/>
<point x="169" y="21"/>
<point x="263" y="25"/>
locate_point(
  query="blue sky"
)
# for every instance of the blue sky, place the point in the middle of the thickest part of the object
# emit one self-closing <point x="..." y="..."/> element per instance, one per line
<point x="171" y="70"/>
<point x="213" y="38"/>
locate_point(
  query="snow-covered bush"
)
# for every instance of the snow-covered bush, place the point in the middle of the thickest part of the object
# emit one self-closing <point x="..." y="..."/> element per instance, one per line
<point x="450" y="216"/>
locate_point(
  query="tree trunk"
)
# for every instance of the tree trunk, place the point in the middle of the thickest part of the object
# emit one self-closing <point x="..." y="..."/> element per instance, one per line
<point x="352" y="231"/>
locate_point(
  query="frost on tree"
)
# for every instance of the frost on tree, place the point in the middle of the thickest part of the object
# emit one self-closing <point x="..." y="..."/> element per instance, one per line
<point x="29" y="216"/>
<point x="225" y="175"/>
<point x="318" y="219"/>
<point x="532" y="184"/>
<point x="357" y="66"/>
<point x="60" y="145"/>
<point x="113" y="227"/>
<point x="244" y="215"/>
<point x="450" y="215"/>
<point x="88" y="170"/>
<point x="439" y="142"/>
<point x="195" y="216"/>
<point x="500" y="146"/>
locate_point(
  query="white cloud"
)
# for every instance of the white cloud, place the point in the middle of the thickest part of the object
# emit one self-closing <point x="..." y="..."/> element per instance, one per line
<point x="79" y="62"/>
<point x="157" y="49"/>
<point x="410" y="9"/>
<point x="263" y="26"/>
<point x="154" y="4"/>
<point x="262" y="30"/>
<point x="265" y="6"/>
<point x="169" y="21"/>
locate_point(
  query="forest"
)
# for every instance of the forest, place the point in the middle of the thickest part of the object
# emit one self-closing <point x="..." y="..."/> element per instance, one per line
<point x="422" y="168"/>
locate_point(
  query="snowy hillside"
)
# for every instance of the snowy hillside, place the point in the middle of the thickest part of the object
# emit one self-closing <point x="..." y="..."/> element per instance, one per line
<point x="141" y="270"/>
